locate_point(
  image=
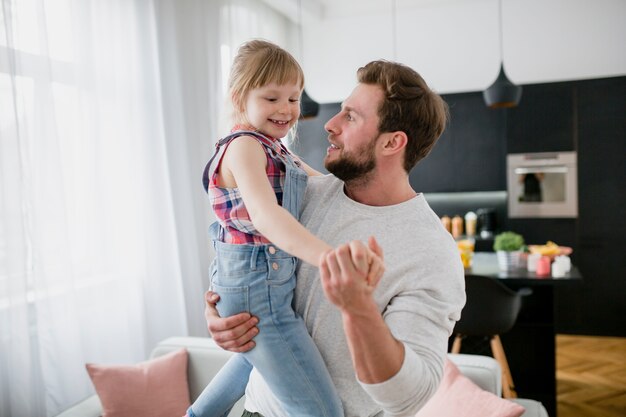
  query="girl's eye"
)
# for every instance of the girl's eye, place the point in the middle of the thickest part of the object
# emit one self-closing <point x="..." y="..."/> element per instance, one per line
<point x="293" y="100"/>
<point x="271" y="99"/>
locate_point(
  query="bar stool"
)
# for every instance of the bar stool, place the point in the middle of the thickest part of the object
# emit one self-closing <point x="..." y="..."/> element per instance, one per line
<point x="491" y="309"/>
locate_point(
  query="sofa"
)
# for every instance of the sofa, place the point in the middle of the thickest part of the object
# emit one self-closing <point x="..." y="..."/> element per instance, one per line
<point x="205" y="359"/>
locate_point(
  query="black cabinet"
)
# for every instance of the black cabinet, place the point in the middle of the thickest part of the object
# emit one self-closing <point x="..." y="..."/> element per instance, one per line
<point x="544" y="121"/>
<point x="602" y="158"/>
<point x="601" y="302"/>
<point x="471" y="153"/>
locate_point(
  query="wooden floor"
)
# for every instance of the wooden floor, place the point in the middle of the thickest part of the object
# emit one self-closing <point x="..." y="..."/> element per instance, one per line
<point x="591" y="376"/>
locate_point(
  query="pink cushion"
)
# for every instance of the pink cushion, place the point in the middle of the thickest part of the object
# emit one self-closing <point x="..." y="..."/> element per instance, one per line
<point x="154" y="388"/>
<point x="459" y="396"/>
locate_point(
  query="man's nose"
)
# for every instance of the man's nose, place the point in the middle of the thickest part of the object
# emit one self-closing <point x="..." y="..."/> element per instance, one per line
<point x="331" y="125"/>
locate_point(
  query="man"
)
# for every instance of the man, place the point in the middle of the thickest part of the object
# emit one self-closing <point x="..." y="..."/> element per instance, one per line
<point x="384" y="347"/>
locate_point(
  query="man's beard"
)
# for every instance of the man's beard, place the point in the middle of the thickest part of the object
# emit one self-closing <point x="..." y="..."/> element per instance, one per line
<point x="353" y="166"/>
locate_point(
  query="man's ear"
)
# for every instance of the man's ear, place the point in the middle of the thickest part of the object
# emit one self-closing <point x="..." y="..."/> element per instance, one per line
<point x="394" y="142"/>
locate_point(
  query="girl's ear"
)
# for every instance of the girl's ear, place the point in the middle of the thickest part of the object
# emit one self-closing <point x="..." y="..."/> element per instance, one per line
<point x="237" y="102"/>
<point x="394" y="142"/>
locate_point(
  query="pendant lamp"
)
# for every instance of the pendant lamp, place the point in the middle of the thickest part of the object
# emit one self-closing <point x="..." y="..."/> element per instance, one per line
<point x="309" y="108"/>
<point x="502" y="93"/>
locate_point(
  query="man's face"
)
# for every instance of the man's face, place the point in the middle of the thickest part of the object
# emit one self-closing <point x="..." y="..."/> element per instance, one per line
<point x="352" y="134"/>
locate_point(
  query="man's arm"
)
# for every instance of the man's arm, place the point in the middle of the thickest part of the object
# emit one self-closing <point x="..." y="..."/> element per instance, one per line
<point x="235" y="333"/>
<point x="376" y="354"/>
<point x="397" y="374"/>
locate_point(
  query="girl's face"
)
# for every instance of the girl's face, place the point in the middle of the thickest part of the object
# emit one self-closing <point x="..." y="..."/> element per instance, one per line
<point x="273" y="109"/>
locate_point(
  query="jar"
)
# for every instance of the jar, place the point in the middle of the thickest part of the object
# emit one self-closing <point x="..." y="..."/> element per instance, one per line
<point x="533" y="261"/>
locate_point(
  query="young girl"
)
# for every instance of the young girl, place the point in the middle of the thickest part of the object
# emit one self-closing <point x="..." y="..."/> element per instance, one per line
<point x="255" y="186"/>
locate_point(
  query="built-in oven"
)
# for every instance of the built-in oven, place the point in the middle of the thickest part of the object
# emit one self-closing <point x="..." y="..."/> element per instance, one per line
<point x="542" y="184"/>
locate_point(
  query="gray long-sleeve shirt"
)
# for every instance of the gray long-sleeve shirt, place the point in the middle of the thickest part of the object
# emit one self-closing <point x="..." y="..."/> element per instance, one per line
<point x="420" y="297"/>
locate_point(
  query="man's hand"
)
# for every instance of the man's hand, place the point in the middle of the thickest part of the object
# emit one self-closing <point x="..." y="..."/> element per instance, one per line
<point x="376" y="354"/>
<point x="351" y="272"/>
<point x="232" y="333"/>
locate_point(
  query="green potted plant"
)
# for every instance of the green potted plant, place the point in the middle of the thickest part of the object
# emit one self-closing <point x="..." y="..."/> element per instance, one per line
<point x="509" y="247"/>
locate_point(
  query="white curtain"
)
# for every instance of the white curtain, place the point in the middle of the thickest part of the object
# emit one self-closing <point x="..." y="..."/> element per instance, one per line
<point x="108" y="113"/>
<point x="197" y="42"/>
<point x="89" y="257"/>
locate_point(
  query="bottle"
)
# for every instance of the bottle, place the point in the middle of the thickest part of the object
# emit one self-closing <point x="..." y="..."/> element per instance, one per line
<point x="470" y="223"/>
<point x="457" y="226"/>
<point x="445" y="220"/>
<point x="543" y="266"/>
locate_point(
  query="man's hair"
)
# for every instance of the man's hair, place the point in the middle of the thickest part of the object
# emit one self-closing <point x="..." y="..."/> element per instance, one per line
<point x="409" y="105"/>
<point x="257" y="64"/>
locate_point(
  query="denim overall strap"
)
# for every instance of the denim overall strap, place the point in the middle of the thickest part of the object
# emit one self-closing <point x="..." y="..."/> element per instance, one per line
<point x="294" y="186"/>
<point x="295" y="177"/>
<point x="220" y="148"/>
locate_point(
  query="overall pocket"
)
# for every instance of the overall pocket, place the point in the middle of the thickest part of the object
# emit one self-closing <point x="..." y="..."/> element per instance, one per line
<point x="231" y="280"/>
<point x="233" y="300"/>
<point x="281" y="284"/>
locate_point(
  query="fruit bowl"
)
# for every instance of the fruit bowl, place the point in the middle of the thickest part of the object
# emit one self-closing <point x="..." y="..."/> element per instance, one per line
<point x="550" y="249"/>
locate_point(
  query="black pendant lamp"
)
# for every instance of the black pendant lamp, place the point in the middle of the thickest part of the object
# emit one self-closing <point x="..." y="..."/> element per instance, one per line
<point x="309" y="108"/>
<point x="502" y="93"/>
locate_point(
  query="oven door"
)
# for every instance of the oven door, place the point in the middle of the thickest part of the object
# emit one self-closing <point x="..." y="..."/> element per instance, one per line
<point x="542" y="185"/>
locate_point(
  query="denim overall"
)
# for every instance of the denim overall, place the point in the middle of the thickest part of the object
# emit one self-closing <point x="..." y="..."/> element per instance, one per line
<point x="260" y="279"/>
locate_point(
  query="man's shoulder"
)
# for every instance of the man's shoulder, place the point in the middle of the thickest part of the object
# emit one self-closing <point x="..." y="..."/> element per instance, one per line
<point x="419" y="235"/>
<point x="321" y="181"/>
<point x="319" y="186"/>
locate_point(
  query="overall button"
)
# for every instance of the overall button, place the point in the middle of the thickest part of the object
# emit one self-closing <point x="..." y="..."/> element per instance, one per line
<point x="274" y="266"/>
<point x="272" y="250"/>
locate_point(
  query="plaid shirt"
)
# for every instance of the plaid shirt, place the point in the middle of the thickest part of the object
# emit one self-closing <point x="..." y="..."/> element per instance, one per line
<point x="228" y="205"/>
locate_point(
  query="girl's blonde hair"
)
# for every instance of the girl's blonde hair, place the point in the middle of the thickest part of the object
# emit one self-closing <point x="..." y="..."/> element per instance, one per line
<point x="257" y="64"/>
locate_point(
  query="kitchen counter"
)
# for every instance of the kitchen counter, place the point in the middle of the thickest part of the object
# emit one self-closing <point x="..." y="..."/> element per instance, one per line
<point x="531" y="345"/>
<point x="486" y="263"/>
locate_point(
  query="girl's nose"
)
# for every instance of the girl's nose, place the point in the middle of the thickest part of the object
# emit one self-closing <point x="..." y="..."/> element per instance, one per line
<point x="285" y="108"/>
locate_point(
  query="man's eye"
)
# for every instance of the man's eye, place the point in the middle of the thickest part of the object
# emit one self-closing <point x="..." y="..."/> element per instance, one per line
<point x="349" y="117"/>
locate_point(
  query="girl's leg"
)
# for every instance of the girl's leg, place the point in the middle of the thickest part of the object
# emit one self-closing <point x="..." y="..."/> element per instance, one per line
<point x="287" y="357"/>
<point x="263" y="282"/>
<point x="224" y="390"/>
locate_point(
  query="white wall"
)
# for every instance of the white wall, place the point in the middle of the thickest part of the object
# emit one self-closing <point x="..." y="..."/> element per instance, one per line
<point x="454" y="44"/>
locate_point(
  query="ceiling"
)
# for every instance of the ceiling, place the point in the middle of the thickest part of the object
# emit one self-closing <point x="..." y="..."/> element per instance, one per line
<point x="455" y="44"/>
<point x="321" y="9"/>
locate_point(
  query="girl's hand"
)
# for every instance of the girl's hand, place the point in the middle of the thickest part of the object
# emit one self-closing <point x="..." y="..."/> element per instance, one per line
<point x="377" y="262"/>
<point x="368" y="261"/>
